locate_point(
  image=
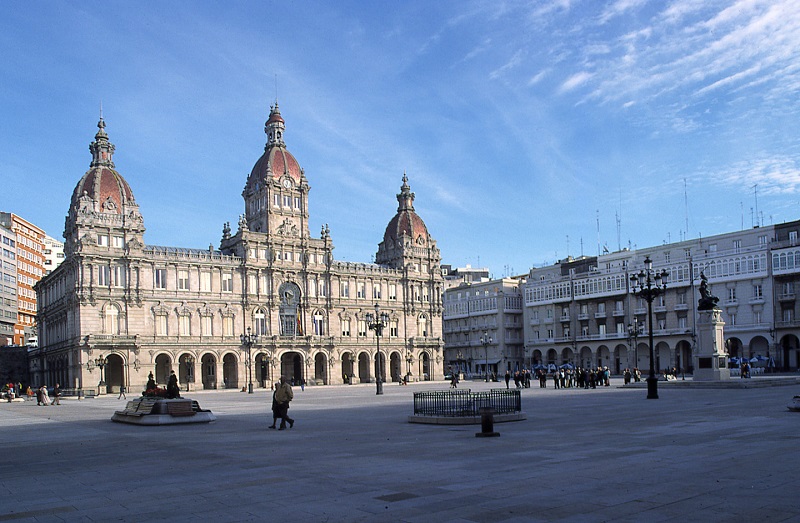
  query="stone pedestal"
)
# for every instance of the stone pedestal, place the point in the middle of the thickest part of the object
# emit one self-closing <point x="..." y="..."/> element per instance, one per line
<point x="710" y="360"/>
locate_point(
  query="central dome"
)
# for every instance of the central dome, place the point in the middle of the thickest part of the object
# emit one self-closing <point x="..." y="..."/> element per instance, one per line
<point x="406" y="222"/>
<point x="276" y="162"/>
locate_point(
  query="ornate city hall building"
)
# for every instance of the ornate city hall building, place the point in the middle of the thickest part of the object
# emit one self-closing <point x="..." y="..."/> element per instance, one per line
<point x="118" y="309"/>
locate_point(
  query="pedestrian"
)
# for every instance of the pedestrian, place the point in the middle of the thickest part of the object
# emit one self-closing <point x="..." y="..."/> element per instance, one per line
<point x="57" y="394"/>
<point x="45" y="396"/>
<point x="302" y="384"/>
<point x="276" y="406"/>
<point x="508" y="378"/>
<point x="283" y="396"/>
<point x="122" y="392"/>
<point x="39" y="396"/>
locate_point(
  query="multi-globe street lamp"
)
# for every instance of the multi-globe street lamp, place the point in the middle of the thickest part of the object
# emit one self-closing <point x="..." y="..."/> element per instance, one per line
<point x="634" y="331"/>
<point x="189" y="360"/>
<point x="486" y="340"/>
<point x="648" y="285"/>
<point x="377" y="322"/>
<point x="248" y="340"/>
<point x="100" y="362"/>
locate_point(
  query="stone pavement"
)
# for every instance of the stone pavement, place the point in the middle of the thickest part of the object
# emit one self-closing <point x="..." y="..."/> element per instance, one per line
<point x="582" y="455"/>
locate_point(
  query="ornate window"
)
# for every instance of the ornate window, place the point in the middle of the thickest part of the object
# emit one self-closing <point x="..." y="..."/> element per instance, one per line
<point x="112" y="320"/>
<point x="260" y="322"/>
<point x="423" y="325"/>
<point x="318" y="320"/>
<point x="289" y="294"/>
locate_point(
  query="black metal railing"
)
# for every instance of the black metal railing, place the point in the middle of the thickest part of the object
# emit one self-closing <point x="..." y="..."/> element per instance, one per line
<point x="462" y="403"/>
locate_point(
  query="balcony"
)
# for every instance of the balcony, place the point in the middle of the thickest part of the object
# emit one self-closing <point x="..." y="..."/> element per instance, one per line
<point x="599" y="315"/>
<point x="583" y="316"/>
<point x="659" y="308"/>
<point x="639" y="311"/>
<point x="618" y="313"/>
<point x="565" y="318"/>
<point x="681" y="307"/>
<point x="756" y="301"/>
<point x="788" y="296"/>
<point x="534" y="322"/>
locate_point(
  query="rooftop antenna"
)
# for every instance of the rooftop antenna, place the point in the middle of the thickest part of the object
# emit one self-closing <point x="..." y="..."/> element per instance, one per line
<point x="276" y="88"/>
<point x="686" y="206"/>
<point x="619" y="226"/>
<point x="741" y="207"/>
<point x="101" y="109"/>
<point x="755" y="193"/>
<point x="597" y="214"/>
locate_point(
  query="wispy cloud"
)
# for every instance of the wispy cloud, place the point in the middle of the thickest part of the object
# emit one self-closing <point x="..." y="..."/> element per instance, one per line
<point x="773" y="176"/>
<point x="575" y="81"/>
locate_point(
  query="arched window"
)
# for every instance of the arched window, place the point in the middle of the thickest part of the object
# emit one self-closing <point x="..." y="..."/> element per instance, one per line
<point x="112" y="320"/>
<point x="260" y="322"/>
<point x="319" y="323"/>
<point x="423" y="325"/>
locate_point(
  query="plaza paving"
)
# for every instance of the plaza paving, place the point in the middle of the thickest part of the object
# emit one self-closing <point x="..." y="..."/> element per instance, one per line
<point x="582" y="455"/>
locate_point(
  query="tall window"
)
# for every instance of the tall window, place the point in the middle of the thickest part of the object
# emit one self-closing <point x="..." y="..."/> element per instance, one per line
<point x="117" y="242"/>
<point x="183" y="280"/>
<point x="112" y="320"/>
<point x="362" y="293"/>
<point x="160" y="278"/>
<point x="260" y="322"/>
<point x="227" y="282"/>
<point x="362" y="329"/>
<point x="346" y="327"/>
<point x="184" y="325"/>
<point x="376" y="291"/>
<point x="345" y="289"/>
<point x="319" y="323"/>
<point x="323" y="288"/>
<point x="393" y="330"/>
<point x="392" y="291"/>
<point x="103" y="276"/>
<point x="227" y="325"/>
<point x="732" y="294"/>
<point x="102" y="240"/>
<point x="119" y="275"/>
<point x="758" y="292"/>
<point x="207" y="325"/>
<point x="205" y="282"/>
<point x="423" y="325"/>
<point x="161" y="325"/>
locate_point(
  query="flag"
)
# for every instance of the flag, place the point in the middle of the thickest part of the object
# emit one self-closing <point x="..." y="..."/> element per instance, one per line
<point x="299" y="328"/>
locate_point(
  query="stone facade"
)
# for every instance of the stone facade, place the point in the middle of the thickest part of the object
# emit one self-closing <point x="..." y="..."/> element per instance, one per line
<point x="136" y="308"/>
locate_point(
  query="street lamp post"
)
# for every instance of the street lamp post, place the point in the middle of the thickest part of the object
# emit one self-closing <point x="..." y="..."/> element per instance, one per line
<point x="101" y="362"/>
<point x="377" y="322"/>
<point x="248" y="340"/>
<point x="649" y="284"/>
<point x="189" y="368"/>
<point x="485" y="341"/>
<point x="634" y="331"/>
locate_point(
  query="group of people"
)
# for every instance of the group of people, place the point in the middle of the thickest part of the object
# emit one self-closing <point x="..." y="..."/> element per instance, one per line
<point x="14" y="390"/>
<point x="579" y="378"/>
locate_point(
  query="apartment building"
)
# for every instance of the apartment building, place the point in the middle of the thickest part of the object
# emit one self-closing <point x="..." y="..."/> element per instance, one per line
<point x="30" y="268"/>
<point x="583" y="311"/>
<point x="483" y="328"/>
<point x="8" y="285"/>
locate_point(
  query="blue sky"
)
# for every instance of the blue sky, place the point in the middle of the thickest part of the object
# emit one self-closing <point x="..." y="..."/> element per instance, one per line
<point x="528" y="130"/>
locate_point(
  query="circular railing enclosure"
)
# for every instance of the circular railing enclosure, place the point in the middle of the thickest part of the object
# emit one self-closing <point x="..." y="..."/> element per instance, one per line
<point x="462" y="407"/>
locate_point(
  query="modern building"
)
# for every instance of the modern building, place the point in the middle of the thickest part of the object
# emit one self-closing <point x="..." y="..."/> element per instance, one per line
<point x="53" y="253"/>
<point x="8" y="285"/>
<point x="483" y="328"/>
<point x="118" y="309"/>
<point x="454" y="277"/>
<point x="30" y="268"/>
<point x="583" y="311"/>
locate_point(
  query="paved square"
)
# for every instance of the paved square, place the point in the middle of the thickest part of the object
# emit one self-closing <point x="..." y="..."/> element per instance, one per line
<point x="582" y="455"/>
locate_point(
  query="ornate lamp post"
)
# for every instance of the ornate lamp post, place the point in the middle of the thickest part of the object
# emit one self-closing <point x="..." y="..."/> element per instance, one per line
<point x="649" y="284"/>
<point x="248" y="340"/>
<point x="189" y="368"/>
<point x="634" y="331"/>
<point x="377" y="322"/>
<point x="485" y="341"/>
<point x="100" y="362"/>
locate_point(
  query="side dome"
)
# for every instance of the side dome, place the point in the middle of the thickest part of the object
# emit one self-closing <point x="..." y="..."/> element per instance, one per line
<point x="406" y="222"/>
<point x="277" y="161"/>
<point x="102" y="187"/>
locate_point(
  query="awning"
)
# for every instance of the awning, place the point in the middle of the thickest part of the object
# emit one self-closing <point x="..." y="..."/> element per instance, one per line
<point x="483" y="362"/>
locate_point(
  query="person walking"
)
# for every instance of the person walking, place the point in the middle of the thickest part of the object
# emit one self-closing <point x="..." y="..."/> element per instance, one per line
<point x="57" y="394"/>
<point x="283" y="396"/>
<point x="122" y="392"/>
<point x="508" y="378"/>
<point x="276" y="407"/>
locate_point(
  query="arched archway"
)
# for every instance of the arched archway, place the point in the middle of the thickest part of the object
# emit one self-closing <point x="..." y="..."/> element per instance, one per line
<point x="567" y="355"/>
<point x="321" y="368"/>
<point x="604" y="357"/>
<point x="163" y="366"/>
<point x="759" y="346"/>
<point x="552" y="357"/>
<point x="425" y="363"/>
<point x="683" y="357"/>
<point x="396" y="367"/>
<point x="262" y="370"/>
<point x="292" y="366"/>
<point x="348" y="367"/>
<point x="230" y="372"/>
<point x="790" y="352"/>
<point x="735" y="348"/>
<point x="208" y="368"/>
<point x="663" y="357"/>
<point x="620" y="359"/>
<point x="364" y="372"/>
<point x="536" y="358"/>
<point x="586" y="358"/>
<point x="115" y="372"/>
<point x="185" y="369"/>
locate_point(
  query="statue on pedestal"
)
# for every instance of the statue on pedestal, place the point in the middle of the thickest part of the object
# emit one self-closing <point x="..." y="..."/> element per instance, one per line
<point x="707" y="301"/>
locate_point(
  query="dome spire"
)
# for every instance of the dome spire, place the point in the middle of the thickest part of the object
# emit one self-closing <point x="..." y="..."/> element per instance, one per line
<point x="275" y="127"/>
<point x="102" y="150"/>
<point x="406" y="197"/>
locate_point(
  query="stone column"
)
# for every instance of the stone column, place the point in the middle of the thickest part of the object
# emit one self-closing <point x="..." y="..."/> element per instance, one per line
<point x="710" y="360"/>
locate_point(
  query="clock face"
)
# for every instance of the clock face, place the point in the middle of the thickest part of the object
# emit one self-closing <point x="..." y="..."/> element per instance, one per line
<point x="287" y="184"/>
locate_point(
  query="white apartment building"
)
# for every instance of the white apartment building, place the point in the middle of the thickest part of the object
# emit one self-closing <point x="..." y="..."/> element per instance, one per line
<point x="583" y="311"/>
<point x="8" y="285"/>
<point x="483" y="328"/>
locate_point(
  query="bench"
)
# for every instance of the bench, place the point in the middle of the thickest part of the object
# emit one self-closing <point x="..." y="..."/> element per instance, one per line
<point x="139" y="407"/>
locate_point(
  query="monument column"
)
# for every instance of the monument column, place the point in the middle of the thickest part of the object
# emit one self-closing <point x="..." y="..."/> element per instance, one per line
<point x="710" y="359"/>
